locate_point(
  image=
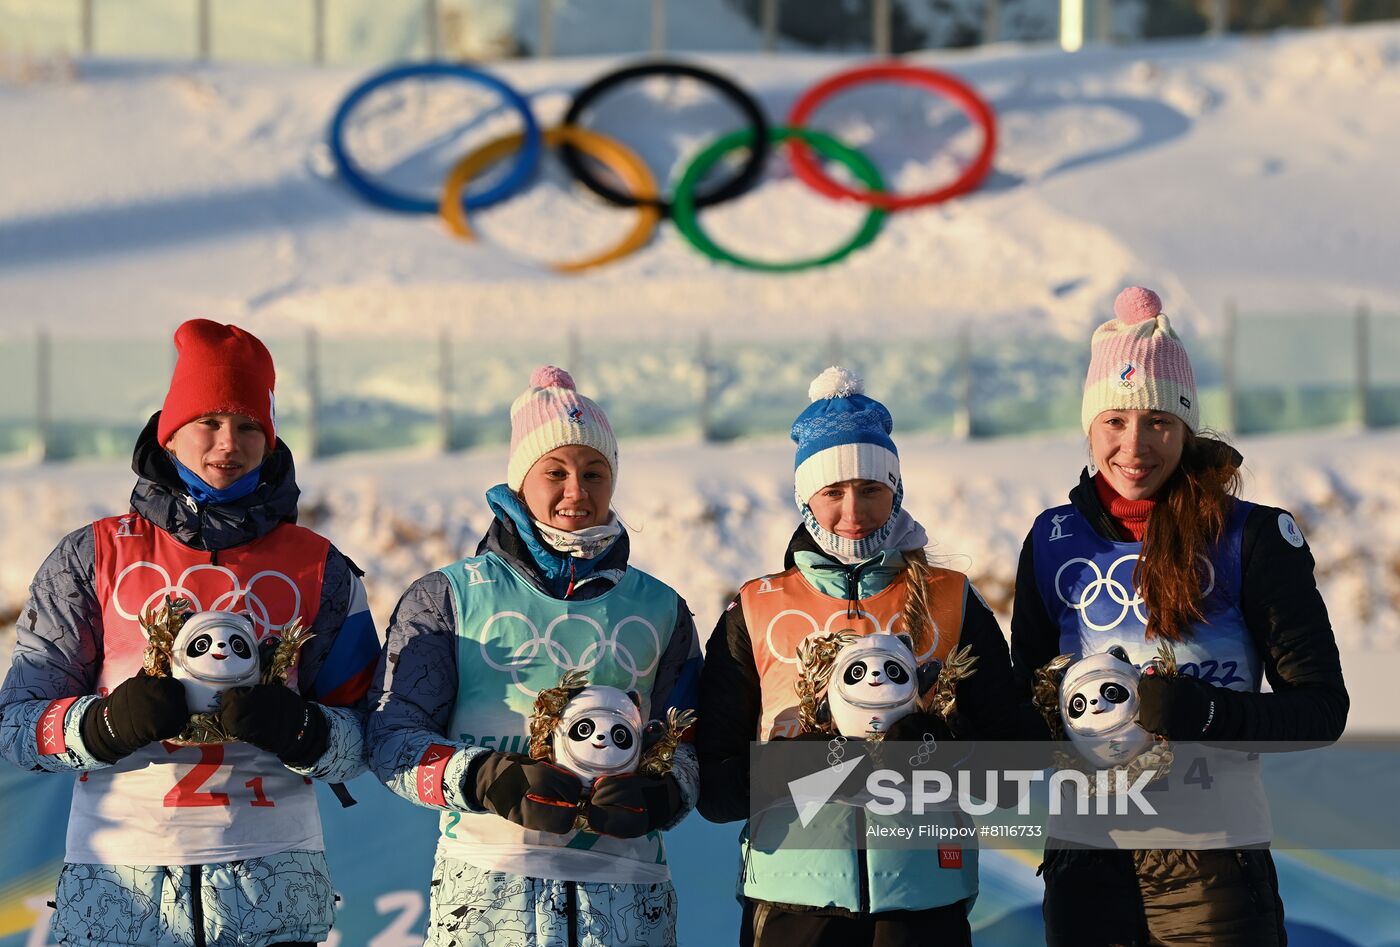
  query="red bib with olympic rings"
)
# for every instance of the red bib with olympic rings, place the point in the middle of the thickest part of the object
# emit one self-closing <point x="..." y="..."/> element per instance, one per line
<point x="271" y="580"/>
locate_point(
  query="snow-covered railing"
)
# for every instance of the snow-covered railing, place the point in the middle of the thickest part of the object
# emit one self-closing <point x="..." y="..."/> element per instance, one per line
<point x="63" y="398"/>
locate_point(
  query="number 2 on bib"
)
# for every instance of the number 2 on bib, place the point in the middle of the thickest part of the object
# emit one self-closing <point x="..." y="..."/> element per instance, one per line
<point x="186" y="793"/>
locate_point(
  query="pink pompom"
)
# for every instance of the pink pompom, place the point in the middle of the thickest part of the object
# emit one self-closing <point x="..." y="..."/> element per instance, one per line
<point x="549" y="376"/>
<point x="1137" y="304"/>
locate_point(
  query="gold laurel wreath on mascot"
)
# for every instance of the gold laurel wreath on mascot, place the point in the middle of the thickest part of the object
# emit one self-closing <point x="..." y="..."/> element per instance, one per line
<point x="656" y="760"/>
<point x="162" y="624"/>
<point x="817" y="657"/>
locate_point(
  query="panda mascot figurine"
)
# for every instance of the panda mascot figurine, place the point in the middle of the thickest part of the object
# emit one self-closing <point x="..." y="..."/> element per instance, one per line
<point x="1098" y="705"/>
<point x="213" y="652"/>
<point x="874" y="682"/>
<point x="599" y="733"/>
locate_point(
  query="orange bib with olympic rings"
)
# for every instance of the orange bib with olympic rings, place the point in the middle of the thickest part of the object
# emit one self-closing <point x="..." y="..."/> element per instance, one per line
<point x="780" y="611"/>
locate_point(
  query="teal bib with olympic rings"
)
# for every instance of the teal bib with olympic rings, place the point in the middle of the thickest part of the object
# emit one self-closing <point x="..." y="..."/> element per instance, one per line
<point x="514" y="641"/>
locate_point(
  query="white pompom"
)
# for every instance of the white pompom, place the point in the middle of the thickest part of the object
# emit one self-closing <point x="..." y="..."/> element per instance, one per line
<point x="835" y="382"/>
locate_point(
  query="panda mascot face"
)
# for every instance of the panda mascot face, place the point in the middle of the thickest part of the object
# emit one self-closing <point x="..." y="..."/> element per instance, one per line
<point x="1099" y="704"/>
<point x="599" y="733"/>
<point x="213" y="652"/>
<point x="874" y="682"/>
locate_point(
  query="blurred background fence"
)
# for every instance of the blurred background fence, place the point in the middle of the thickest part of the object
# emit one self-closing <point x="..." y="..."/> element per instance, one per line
<point x="64" y="398"/>
<point x="376" y="31"/>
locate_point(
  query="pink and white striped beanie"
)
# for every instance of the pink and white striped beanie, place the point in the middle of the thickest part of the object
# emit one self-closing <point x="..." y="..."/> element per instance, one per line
<point x="550" y="414"/>
<point x="1138" y="361"/>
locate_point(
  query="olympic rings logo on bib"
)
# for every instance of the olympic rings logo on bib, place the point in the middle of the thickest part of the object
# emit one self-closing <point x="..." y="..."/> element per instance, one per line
<point x="638" y="190"/>
<point x="1125" y="596"/>
<point x="270" y="599"/>
<point x="538" y="661"/>
<point x="782" y="638"/>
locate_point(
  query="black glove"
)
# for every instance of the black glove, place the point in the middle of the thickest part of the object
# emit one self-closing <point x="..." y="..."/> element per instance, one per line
<point x="917" y="727"/>
<point x="631" y="805"/>
<point x="1178" y="708"/>
<point x="140" y="710"/>
<point x="275" y="718"/>
<point x="531" y="793"/>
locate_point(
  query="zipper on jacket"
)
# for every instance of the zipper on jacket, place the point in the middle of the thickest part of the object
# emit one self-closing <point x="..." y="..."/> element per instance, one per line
<point x="862" y="862"/>
<point x="571" y="910"/>
<point x="197" y="905"/>
<point x="213" y="557"/>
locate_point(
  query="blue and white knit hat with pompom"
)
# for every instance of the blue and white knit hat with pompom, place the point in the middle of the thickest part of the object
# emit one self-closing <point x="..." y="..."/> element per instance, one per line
<point x="842" y="435"/>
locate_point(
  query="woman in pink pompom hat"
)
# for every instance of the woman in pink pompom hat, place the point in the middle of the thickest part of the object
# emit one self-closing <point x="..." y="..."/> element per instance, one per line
<point x="1156" y="553"/>
<point x="469" y="649"/>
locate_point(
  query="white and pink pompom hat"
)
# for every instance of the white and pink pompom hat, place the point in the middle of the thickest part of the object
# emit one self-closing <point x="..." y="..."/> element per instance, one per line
<point x="552" y="414"/>
<point x="1137" y="361"/>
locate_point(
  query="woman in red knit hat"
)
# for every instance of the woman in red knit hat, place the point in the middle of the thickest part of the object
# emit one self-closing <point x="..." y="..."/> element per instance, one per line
<point x="1156" y="551"/>
<point x="172" y="844"/>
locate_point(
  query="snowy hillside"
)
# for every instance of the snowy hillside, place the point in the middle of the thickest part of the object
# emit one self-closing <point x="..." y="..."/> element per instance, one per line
<point x="1254" y="169"/>
<point x="1259" y="170"/>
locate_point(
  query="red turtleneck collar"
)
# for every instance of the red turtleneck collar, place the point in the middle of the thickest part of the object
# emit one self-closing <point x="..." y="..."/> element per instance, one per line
<point x="1130" y="515"/>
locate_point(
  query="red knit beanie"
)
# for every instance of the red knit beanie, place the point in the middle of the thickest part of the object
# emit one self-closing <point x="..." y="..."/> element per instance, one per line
<point x="219" y="370"/>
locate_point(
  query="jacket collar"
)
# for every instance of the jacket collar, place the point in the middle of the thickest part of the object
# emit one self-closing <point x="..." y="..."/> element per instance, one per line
<point x="160" y="496"/>
<point x="512" y="537"/>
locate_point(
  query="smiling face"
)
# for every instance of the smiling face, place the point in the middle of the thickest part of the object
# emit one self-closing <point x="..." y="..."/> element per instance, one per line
<point x="219" y="448"/>
<point x="570" y="488"/>
<point x="1136" y="450"/>
<point x="852" y="509"/>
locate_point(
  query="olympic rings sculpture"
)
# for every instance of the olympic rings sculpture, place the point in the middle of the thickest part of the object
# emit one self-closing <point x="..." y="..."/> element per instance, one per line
<point x="639" y="190"/>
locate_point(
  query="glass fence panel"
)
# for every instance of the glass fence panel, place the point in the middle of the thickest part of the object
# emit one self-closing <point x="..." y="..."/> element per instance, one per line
<point x="262" y="30"/>
<point x="733" y="27"/>
<point x="479" y="30"/>
<point x="18" y="408"/>
<point x="757" y="388"/>
<point x="290" y="355"/>
<point x="373" y="32"/>
<point x="1295" y="371"/>
<point x="1026" y="385"/>
<point x="377" y="395"/>
<point x="31" y="27"/>
<point x="918" y="379"/>
<point x="486" y="378"/>
<point x="1383" y="365"/>
<point x="145" y="28"/>
<point x="647" y="388"/>
<point x="341" y="395"/>
<point x="102" y="393"/>
<point x="574" y="28"/>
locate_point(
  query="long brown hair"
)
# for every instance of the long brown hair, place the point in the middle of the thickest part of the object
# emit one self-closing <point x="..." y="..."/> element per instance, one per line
<point x="1189" y="518"/>
<point x="918" y="611"/>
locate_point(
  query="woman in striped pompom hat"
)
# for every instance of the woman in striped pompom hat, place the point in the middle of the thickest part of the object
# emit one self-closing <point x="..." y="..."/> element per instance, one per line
<point x="469" y="649"/>
<point x="1155" y="549"/>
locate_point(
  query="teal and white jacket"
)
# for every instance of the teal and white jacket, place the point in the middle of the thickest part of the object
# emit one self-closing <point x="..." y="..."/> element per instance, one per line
<point x="470" y="646"/>
<point x="857" y="879"/>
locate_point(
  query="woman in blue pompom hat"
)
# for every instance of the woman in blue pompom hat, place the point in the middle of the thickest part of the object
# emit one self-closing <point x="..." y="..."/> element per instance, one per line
<point x="856" y="563"/>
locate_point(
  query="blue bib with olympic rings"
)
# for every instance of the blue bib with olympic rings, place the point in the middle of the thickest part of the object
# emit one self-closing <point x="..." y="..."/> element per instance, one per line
<point x="514" y="641"/>
<point x="1086" y="583"/>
